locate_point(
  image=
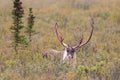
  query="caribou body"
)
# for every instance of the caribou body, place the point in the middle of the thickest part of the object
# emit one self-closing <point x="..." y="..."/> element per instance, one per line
<point x="69" y="53"/>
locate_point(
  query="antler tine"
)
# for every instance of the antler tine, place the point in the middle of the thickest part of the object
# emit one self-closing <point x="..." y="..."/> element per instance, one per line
<point x="59" y="36"/>
<point x="92" y="25"/>
<point x="82" y="44"/>
<point x="80" y="41"/>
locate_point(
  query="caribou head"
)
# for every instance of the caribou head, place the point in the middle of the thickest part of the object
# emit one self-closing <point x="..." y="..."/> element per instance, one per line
<point x="69" y="51"/>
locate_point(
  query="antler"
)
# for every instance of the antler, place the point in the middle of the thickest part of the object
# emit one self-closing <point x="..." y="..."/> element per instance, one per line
<point x="59" y="36"/>
<point x="80" y="42"/>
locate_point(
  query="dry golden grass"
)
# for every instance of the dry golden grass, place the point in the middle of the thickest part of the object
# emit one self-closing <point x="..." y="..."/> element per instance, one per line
<point x="101" y="56"/>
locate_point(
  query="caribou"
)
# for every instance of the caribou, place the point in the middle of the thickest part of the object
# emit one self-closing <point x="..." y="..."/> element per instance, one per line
<point x="69" y="53"/>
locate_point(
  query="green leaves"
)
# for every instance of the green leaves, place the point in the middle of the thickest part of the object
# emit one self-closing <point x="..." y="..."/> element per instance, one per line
<point x="81" y="69"/>
<point x="18" y="10"/>
<point x="30" y="30"/>
<point x="18" y="37"/>
<point x="18" y="13"/>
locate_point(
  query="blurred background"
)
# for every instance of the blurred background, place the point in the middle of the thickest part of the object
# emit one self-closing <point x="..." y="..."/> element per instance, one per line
<point x="100" y="57"/>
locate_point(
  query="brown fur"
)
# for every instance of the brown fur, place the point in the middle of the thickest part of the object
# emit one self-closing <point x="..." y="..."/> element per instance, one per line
<point x="57" y="55"/>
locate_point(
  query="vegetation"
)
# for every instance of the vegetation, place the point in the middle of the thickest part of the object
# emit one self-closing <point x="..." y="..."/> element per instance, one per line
<point x="30" y="24"/>
<point x="17" y="25"/>
<point x="98" y="60"/>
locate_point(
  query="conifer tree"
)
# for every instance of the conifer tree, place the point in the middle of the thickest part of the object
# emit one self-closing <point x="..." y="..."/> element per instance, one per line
<point x="30" y="30"/>
<point x="17" y="26"/>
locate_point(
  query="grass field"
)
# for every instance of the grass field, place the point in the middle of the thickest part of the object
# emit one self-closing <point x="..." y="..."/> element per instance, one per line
<point x="98" y="60"/>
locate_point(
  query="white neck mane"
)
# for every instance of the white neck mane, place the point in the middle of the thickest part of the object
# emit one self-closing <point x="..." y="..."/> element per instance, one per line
<point x="64" y="55"/>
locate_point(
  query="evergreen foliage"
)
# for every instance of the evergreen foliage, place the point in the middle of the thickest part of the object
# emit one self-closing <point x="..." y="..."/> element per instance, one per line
<point x="17" y="26"/>
<point x="30" y="30"/>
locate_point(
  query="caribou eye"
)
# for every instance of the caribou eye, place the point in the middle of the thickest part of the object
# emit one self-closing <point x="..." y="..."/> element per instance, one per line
<point x="67" y="50"/>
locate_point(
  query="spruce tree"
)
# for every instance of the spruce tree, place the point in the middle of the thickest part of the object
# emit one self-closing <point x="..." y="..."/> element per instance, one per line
<point x="30" y="30"/>
<point x="17" y="26"/>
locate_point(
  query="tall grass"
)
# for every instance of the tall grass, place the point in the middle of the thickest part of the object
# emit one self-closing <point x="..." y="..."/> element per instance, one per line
<point x="98" y="60"/>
